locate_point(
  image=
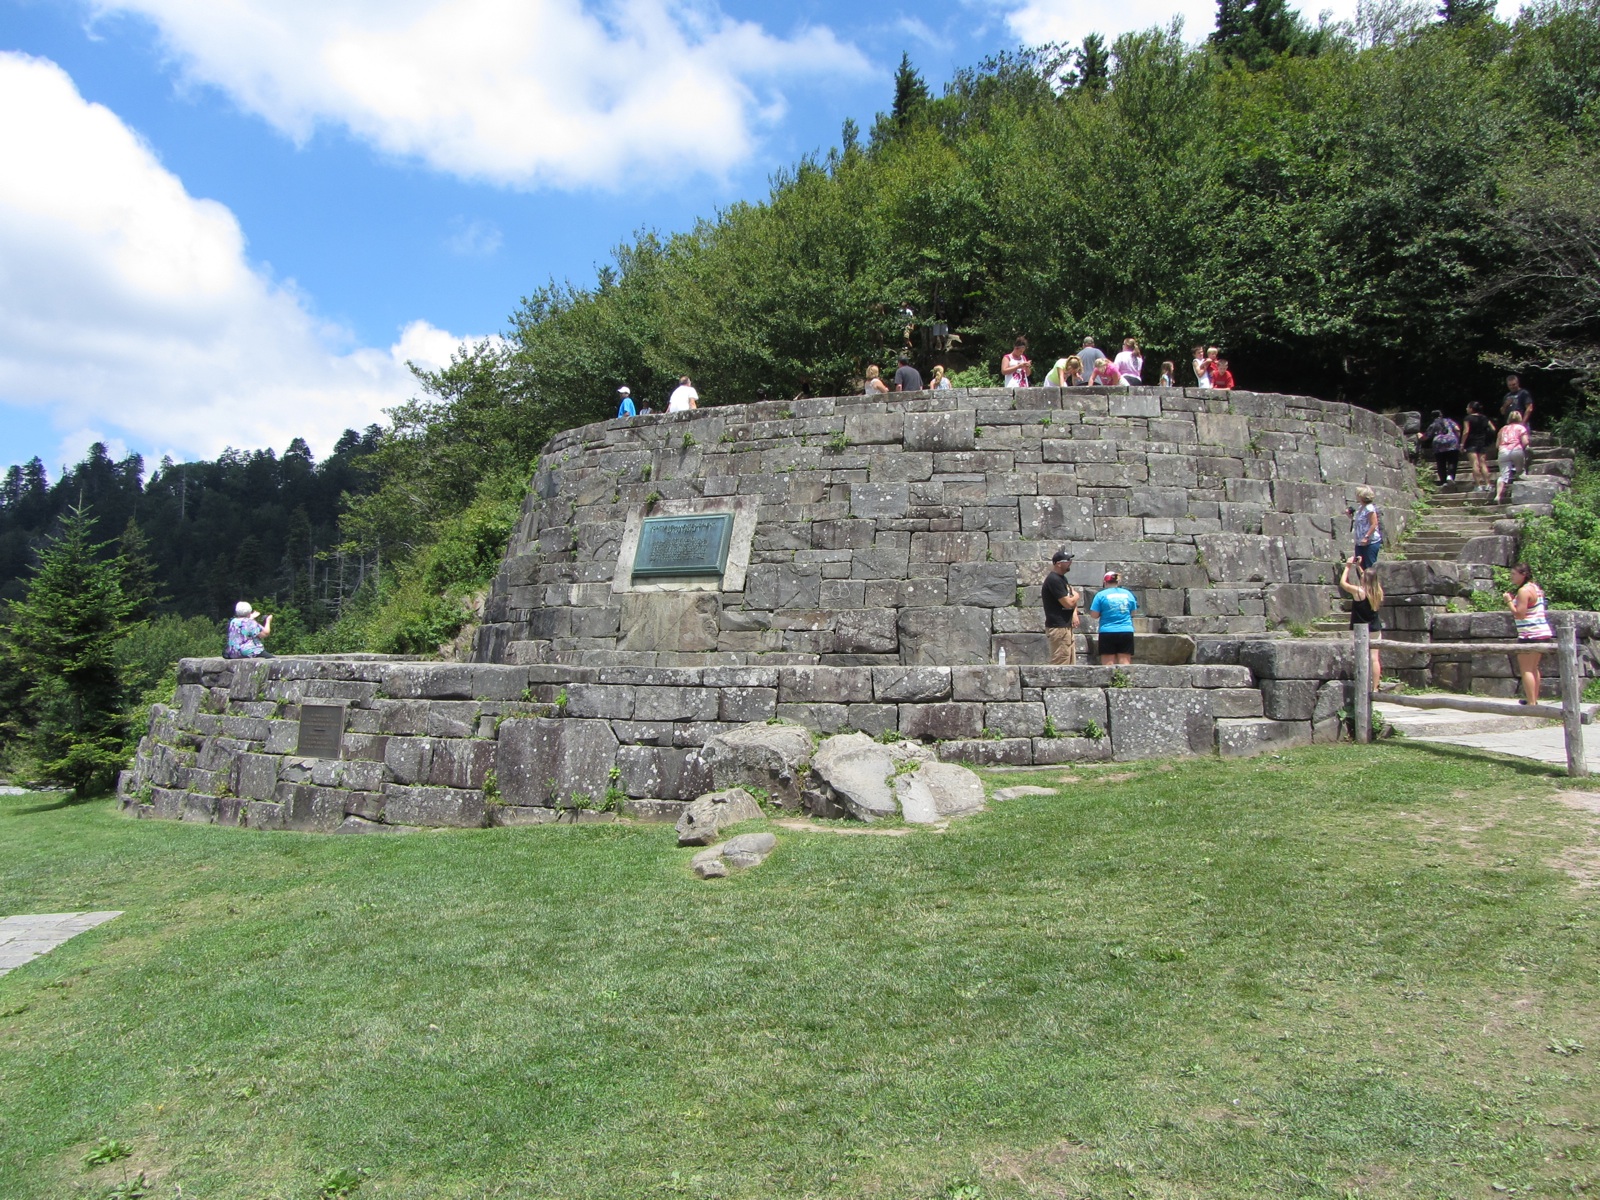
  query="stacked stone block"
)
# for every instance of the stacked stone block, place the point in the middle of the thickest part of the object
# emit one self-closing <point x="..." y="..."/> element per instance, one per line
<point x="915" y="529"/>
<point x="479" y="744"/>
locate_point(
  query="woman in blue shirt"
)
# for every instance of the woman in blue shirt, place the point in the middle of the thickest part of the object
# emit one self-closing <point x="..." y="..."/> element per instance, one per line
<point x="1115" y="605"/>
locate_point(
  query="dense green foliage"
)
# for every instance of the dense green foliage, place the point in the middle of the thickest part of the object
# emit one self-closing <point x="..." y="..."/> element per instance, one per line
<point x="1563" y="549"/>
<point x="1342" y="971"/>
<point x="248" y="524"/>
<point x="62" y="640"/>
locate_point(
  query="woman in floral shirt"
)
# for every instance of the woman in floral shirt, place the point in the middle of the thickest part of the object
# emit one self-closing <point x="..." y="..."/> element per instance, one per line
<point x="245" y="633"/>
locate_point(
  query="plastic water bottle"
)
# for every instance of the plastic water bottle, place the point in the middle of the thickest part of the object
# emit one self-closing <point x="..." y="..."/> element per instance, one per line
<point x="1002" y="656"/>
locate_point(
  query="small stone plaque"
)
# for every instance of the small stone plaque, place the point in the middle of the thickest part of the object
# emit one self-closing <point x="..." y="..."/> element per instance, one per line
<point x="683" y="546"/>
<point x="321" y="731"/>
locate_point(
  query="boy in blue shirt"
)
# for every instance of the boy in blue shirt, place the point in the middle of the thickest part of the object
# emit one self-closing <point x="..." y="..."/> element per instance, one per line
<point x="1115" y="605"/>
<point x="626" y="409"/>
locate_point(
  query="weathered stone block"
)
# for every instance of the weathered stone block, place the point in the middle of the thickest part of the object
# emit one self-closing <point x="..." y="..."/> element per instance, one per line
<point x="438" y="806"/>
<point x="943" y="432"/>
<point x="1070" y="750"/>
<point x="262" y="814"/>
<point x="311" y="809"/>
<point x="1072" y="709"/>
<point x="1493" y="550"/>
<point x="409" y="759"/>
<point x="911" y="684"/>
<point x="1289" y="699"/>
<point x="865" y="631"/>
<point x="939" y="722"/>
<point x="1299" y="603"/>
<point x="461" y="762"/>
<point x="1294" y="658"/>
<point x="986" y="683"/>
<point x="607" y="701"/>
<point x="675" y="704"/>
<point x="1236" y="702"/>
<point x="944" y="636"/>
<point x="879" y="499"/>
<point x="1223" y="429"/>
<point x="1247" y="737"/>
<point x="828" y="685"/>
<point x="675" y="621"/>
<point x="763" y="756"/>
<point x="548" y="760"/>
<point x="257" y="776"/>
<point x="1243" y="558"/>
<point x="742" y="704"/>
<point x="1020" y="720"/>
<point x="1159" y="722"/>
<point x="982" y="584"/>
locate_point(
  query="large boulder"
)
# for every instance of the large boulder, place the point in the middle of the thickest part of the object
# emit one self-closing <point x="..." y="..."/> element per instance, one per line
<point x="704" y="820"/>
<point x="758" y="755"/>
<point x="854" y="774"/>
<point x="936" y="791"/>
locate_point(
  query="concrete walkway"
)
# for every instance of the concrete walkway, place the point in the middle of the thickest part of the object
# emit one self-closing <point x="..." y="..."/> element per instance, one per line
<point x="24" y="938"/>
<point x="1520" y="737"/>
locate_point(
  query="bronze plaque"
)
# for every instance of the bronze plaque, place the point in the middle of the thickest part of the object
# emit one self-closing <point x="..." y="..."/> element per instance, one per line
<point x="321" y="731"/>
<point x="683" y="546"/>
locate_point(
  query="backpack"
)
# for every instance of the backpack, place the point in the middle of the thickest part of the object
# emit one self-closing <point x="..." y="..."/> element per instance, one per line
<point x="1448" y="438"/>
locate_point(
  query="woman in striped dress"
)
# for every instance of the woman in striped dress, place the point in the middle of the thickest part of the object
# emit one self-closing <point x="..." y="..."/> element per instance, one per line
<point x="1533" y="625"/>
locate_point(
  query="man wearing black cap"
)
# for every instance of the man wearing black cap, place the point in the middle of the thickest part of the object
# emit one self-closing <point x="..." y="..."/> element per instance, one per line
<point x="1061" y="601"/>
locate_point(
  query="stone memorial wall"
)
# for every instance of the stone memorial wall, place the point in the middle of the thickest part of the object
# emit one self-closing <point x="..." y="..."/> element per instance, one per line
<point x="914" y="529"/>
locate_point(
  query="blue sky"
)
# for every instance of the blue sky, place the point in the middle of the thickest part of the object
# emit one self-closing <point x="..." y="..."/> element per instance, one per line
<point x="233" y="224"/>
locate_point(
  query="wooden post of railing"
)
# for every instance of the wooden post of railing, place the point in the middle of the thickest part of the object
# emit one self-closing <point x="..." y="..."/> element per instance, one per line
<point x="1566" y="630"/>
<point x="1362" y="636"/>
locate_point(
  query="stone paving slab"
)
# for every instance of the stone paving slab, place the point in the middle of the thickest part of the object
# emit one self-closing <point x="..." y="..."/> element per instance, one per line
<point x="1544" y="742"/>
<point x="25" y="937"/>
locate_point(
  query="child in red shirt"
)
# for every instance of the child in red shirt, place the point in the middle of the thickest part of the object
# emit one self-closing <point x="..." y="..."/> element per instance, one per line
<point x="1221" y="377"/>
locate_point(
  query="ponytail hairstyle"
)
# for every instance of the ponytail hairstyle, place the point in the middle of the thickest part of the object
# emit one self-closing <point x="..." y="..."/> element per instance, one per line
<point x="1373" y="586"/>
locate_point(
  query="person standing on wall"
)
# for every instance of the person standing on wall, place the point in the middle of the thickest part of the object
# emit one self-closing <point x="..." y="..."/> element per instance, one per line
<point x="625" y="407"/>
<point x="684" y="397"/>
<point x="906" y="377"/>
<point x="1366" y="598"/>
<point x="1115" y="605"/>
<point x="1367" y="523"/>
<point x="1130" y="363"/>
<point x="1061" y="602"/>
<point x="1016" y="366"/>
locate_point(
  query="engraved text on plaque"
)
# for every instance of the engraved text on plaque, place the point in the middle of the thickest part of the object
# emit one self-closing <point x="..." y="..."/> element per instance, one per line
<point x="321" y="731"/>
<point x="683" y="546"/>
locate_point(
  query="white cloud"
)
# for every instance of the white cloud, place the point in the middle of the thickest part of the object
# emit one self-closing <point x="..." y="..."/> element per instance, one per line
<point x="128" y="308"/>
<point x="474" y="239"/>
<point x="518" y="92"/>
<point x="1037" y="21"/>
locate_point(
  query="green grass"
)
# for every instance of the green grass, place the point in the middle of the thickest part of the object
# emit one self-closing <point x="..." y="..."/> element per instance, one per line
<point x="1336" y="973"/>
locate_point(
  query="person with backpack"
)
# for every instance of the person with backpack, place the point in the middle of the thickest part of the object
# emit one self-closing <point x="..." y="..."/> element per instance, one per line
<point x="626" y="410"/>
<point x="1444" y="437"/>
<point x="1367" y="523"/>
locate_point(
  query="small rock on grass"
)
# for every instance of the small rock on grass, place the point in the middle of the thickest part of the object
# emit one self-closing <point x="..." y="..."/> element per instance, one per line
<point x="708" y="864"/>
<point x="1024" y="789"/>
<point x="706" y="817"/>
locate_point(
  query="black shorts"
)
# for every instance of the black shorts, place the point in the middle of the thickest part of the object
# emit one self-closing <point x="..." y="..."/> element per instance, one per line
<point x="1116" y="643"/>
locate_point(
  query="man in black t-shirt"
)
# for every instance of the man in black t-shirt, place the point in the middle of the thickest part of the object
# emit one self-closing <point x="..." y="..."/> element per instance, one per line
<point x="906" y="377"/>
<point x="1518" y="399"/>
<point x="1061" y="602"/>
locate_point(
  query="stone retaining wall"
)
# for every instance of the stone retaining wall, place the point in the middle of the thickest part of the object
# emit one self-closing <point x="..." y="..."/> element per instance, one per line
<point x="476" y="744"/>
<point x="914" y="529"/>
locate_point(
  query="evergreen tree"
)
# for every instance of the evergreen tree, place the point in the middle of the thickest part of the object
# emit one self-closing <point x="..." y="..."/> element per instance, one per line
<point x="1091" y="65"/>
<point x="1252" y="33"/>
<point x="62" y="639"/>
<point x="138" y="573"/>
<point x="910" y="94"/>
<point x="1465" y="12"/>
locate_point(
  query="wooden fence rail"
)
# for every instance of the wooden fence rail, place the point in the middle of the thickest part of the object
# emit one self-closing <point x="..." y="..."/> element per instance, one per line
<point x="1564" y="647"/>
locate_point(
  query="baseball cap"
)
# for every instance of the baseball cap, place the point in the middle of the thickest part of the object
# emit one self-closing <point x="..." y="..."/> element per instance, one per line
<point x="1062" y="556"/>
<point x="1111" y="577"/>
<point x="622" y="391"/>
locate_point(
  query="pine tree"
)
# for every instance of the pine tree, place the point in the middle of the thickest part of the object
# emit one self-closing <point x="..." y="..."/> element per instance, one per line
<point x="1092" y="70"/>
<point x="1457" y="13"/>
<point x="62" y="639"/>
<point x="910" y="94"/>
<point x="137" y="573"/>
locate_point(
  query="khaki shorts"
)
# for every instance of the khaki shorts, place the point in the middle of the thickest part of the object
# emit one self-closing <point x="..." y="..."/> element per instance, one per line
<point x="1063" y="645"/>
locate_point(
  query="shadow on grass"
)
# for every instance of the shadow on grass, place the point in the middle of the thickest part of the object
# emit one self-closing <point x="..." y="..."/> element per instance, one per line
<point x="60" y="800"/>
<point x="1522" y="766"/>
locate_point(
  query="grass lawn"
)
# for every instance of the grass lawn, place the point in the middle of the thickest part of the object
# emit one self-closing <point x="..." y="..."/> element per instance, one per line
<point x="1342" y="972"/>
